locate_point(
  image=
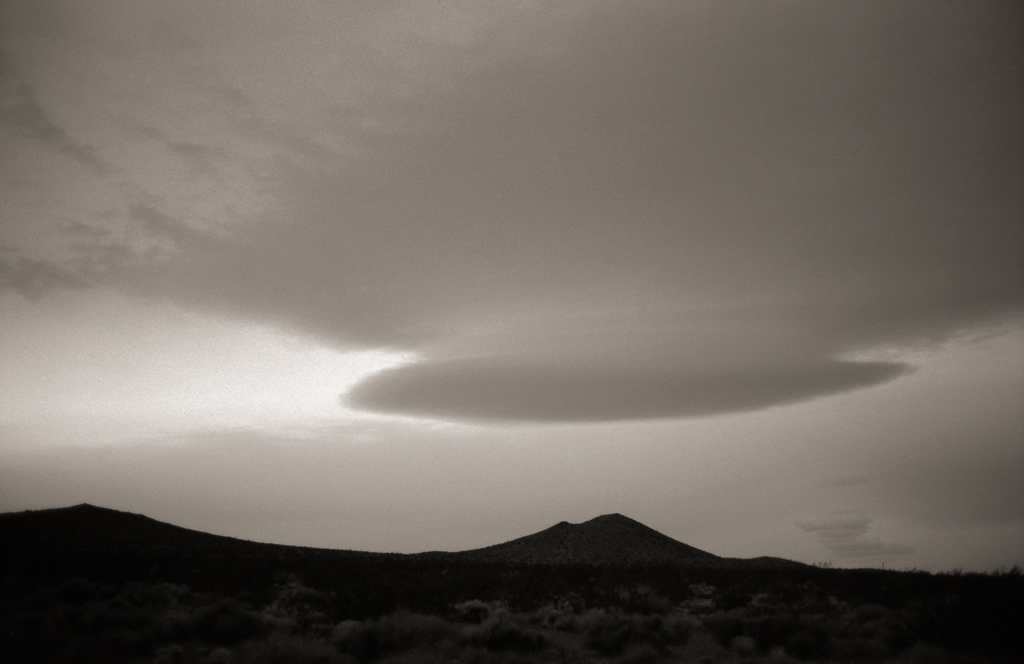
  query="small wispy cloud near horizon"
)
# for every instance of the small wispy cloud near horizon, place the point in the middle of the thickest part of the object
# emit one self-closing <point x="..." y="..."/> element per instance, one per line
<point x="846" y="536"/>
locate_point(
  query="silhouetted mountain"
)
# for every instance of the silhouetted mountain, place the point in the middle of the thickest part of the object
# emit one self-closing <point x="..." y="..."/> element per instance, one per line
<point x="112" y="546"/>
<point x="88" y="527"/>
<point x="611" y="539"/>
<point x="95" y="532"/>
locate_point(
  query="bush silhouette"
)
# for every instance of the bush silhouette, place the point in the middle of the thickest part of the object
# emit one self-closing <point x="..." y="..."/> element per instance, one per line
<point x="77" y="590"/>
<point x="610" y="633"/>
<point x="395" y="633"/>
<point x="500" y="633"/>
<point x="474" y="611"/>
<point x="227" y="622"/>
<point x="288" y="649"/>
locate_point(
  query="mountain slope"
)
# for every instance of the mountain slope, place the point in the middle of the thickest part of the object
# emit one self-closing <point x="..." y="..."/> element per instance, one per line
<point x="90" y="527"/>
<point x="611" y="539"/>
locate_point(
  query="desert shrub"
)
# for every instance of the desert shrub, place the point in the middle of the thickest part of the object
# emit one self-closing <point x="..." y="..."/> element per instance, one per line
<point x="762" y="603"/>
<point x="362" y="640"/>
<point x="744" y="645"/>
<point x="869" y="613"/>
<point x="923" y="653"/>
<point x="219" y="655"/>
<point x="306" y="608"/>
<point x="473" y="611"/>
<point x="345" y="629"/>
<point x="227" y="622"/>
<point x="170" y="654"/>
<point x="571" y="602"/>
<point x="804" y="636"/>
<point x="640" y="654"/>
<point x="297" y="608"/>
<point x="592" y="618"/>
<point x="467" y="655"/>
<point x="112" y="645"/>
<point x="857" y="649"/>
<point x="606" y="632"/>
<point x="64" y="616"/>
<point x="426" y="656"/>
<point x="676" y="630"/>
<point x="703" y="646"/>
<point x="611" y="639"/>
<point x="778" y="655"/>
<point x="559" y="618"/>
<point x="894" y="631"/>
<point x="116" y="613"/>
<point x="611" y="633"/>
<point x="501" y="633"/>
<point x="805" y="643"/>
<point x="174" y="624"/>
<point x="641" y="598"/>
<point x="288" y="649"/>
<point x="294" y="594"/>
<point x="143" y="594"/>
<point x="546" y="616"/>
<point x="725" y="626"/>
<point x="395" y="633"/>
<point x="77" y="590"/>
<point x="702" y="590"/>
<point x="771" y="630"/>
<point x="699" y="605"/>
<point x="869" y="621"/>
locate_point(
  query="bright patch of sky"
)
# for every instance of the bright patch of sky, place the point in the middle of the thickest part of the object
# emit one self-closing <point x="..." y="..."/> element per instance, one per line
<point x="139" y="369"/>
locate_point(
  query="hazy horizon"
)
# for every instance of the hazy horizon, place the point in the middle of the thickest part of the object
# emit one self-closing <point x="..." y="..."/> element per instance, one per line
<point x="409" y="276"/>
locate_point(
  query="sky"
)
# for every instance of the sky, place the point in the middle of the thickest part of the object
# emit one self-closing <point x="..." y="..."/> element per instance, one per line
<point x="436" y="274"/>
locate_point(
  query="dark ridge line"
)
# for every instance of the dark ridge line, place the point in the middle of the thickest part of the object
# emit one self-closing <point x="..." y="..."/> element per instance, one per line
<point x="630" y="539"/>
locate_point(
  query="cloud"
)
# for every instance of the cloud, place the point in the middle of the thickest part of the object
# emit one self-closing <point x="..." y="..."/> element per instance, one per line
<point x="845" y="536"/>
<point x="161" y="225"/>
<point x="657" y="211"/>
<point x="545" y="216"/>
<point x="505" y="388"/>
<point x="846" y="481"/>
<point x="34" y="277"/>
<point x="21" y="110"/>
<point x="980" y="456"/>
<point x="199" y="157"/>
<point x="97" y="256"/>
<point x="86" y="231"/>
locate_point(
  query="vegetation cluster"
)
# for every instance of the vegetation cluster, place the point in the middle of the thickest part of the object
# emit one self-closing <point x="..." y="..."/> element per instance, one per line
<point x="77" y="619"/>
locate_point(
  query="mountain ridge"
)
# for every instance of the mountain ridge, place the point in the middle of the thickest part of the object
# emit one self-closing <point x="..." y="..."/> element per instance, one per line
<point x="609" y="539"/>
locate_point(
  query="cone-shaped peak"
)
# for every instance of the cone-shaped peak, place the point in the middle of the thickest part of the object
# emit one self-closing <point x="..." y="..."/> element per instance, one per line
<point x="611" y="539"/>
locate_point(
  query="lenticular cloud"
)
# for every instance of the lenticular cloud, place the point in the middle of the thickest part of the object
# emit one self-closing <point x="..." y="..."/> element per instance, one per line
<point x="507" y="389"/>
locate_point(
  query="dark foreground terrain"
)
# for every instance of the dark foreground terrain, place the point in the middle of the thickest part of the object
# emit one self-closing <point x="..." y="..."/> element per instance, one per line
<point x="86" y="584"/>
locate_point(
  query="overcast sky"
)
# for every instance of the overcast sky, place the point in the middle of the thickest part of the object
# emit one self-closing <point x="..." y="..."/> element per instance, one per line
<point x="402" y="276"/>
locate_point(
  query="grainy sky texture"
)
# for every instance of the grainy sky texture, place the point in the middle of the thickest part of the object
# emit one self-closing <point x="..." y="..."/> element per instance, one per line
<point x="437" y="274"/>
